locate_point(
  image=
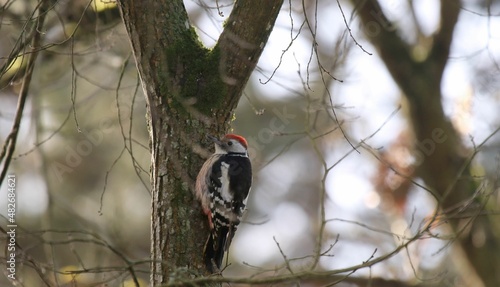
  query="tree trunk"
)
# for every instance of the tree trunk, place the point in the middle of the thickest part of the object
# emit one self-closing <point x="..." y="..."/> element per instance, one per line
<point x="444" y="164"/>
<point x="190" y="91"/>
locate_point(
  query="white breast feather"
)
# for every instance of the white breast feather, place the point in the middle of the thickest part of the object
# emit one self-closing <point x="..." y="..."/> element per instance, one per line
<point x="225" y="193"/>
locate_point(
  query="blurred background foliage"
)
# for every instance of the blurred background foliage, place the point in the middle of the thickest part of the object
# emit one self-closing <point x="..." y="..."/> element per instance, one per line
<point x="327" y="126"/>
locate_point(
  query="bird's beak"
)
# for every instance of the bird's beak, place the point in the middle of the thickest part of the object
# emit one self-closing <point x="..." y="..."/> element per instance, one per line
<point x="214" y="139"/>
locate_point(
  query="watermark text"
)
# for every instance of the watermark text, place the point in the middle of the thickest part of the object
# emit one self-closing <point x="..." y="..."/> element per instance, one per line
<point x="11" y="233"/>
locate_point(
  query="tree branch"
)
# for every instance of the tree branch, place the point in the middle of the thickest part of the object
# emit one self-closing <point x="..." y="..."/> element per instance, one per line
<point x="241" y="44"/>
<point x="383" y="34"/>
<point x="190" y="92"/>
<point x="153" y="28"/>
<point x="445" y="167"/>
<point x="330" y="275"/>
<point x="10" y="142"/>
<point x="450" y="9"/>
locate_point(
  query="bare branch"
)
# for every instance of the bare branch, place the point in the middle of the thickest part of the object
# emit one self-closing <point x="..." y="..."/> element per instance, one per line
<point x="10" y="142"/>
<point x="442" y="40"/>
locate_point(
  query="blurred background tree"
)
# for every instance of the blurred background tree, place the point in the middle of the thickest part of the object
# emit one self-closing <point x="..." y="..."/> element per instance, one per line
<point x="373" y="133"/>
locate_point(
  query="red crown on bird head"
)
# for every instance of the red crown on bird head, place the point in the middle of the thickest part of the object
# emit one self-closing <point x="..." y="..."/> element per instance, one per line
<point x="241" y="139"/>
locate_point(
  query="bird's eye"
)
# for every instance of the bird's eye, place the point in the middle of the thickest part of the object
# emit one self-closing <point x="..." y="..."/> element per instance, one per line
<point x="230" y="143"/>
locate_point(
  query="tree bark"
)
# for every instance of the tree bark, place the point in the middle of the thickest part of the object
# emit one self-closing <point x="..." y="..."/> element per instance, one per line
<point x="190" y="91"/>
<point x="445" y="167"/>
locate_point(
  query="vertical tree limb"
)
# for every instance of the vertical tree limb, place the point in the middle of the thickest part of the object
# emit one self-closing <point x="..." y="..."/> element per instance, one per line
<point x="444" y="169"/>
<point x="10" y="142"/>
<point x="190" y="91"/>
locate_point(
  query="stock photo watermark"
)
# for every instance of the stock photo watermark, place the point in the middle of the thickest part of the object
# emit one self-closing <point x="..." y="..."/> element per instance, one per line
<point x="277" y="125"/>
<point x="427" y="147"/>
<point x="75" y="154"/>
<point x="11" y="226"/>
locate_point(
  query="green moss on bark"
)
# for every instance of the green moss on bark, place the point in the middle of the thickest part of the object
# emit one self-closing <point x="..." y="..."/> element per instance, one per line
<point x="194" y="70"/>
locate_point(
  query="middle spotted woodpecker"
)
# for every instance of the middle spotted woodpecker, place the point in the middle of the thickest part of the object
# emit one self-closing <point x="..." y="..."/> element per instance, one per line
<point x="222" y="187"/>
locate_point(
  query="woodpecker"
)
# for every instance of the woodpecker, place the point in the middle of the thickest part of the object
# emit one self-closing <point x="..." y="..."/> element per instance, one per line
<point x="222" y="187"/>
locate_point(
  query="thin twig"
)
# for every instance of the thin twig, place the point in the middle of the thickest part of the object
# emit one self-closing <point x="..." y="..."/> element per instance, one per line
<point x="10" y="142"/>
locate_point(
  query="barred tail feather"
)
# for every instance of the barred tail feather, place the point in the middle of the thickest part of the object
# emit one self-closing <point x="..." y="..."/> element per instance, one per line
<point x="215" y="248"/>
